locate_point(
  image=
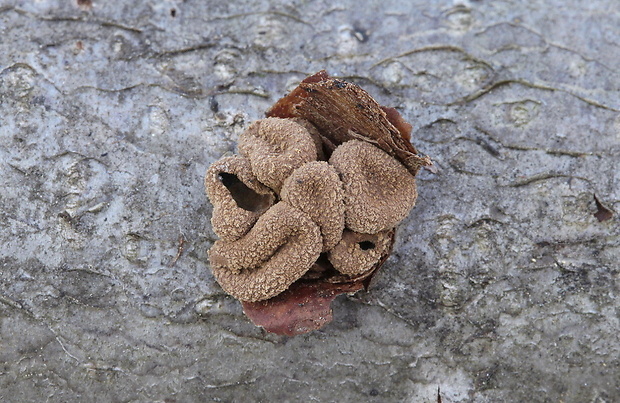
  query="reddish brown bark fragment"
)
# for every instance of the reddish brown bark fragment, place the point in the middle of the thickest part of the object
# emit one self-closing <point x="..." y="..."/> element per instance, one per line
<point x="602" y="212"/>
<point x="399" y="123"/>
<point x="304" y="307"/>
<point x="342" y="111"/>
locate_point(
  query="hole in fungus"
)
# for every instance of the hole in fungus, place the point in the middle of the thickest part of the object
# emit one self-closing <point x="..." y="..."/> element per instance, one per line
<point x="245" y="197"/>
<point x="327" y="151"/>
<point x="365" y="245"/>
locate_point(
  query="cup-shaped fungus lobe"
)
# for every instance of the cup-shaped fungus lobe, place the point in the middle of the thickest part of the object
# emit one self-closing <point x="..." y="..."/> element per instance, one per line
<point x="278" y="250"/>
<point x="276" y="147"/>
<point x="238" y="197"/>
<point x="316" y="189"/>
<point x="379" y="190"/>
<point x="357" y="253"/>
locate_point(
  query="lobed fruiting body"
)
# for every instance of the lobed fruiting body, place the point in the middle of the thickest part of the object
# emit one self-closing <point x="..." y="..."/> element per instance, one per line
<point x="284" y="207"/>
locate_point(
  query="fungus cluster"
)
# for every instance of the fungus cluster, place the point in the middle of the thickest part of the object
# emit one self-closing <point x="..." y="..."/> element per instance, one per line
<point x="315" y="192"/>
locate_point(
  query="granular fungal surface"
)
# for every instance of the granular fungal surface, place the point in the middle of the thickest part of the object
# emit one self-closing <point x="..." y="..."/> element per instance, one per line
<point x="313" y="197"/>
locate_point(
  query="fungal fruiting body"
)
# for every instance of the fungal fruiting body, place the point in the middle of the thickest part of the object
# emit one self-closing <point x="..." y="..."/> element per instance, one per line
<point x="315" y="193"/>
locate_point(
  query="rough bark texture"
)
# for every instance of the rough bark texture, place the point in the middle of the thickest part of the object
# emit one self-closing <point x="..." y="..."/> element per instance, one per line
<point x="503" y="284"/>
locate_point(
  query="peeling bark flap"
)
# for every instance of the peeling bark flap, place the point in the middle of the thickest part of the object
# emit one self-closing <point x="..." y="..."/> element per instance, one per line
<point x="342" y="111"/>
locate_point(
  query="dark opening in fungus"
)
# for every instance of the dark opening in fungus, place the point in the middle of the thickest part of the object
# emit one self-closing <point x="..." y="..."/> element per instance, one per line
<point x="308" y="210"/>
<point x="245" y="197"/>
<point x="365" y="245"/>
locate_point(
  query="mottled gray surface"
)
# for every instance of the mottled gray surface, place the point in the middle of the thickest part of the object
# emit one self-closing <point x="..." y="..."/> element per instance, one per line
<point x="503" y="285"/>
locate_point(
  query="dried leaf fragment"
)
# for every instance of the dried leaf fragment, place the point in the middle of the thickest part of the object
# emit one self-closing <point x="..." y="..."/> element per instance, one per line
<point x="302" y="308"/>
<point x="602" y="212"/>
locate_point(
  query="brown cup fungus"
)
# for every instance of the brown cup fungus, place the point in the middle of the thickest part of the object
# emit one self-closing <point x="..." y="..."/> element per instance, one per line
<point x="238" y="198"/>
<point x="379" y="191"/>
<point x="309" y="208"/>
<point x="275" y="148"/>
<point x="316" y="189"/>
<point x="278" y="250"/>
<point x="357" y="253"/>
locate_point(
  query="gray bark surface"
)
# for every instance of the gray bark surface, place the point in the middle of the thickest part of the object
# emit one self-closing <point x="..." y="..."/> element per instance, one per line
<point x="503" y="285"/>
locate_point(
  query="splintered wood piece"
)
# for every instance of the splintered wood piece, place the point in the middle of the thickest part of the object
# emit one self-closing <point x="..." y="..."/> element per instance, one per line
<point x="342" y="111"/>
